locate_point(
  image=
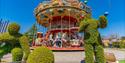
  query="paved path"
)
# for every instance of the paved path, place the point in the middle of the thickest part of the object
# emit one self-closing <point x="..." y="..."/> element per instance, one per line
<point x="119" y="54"/>
<point x="75" y="57"/>
<point x="69" y="57"/>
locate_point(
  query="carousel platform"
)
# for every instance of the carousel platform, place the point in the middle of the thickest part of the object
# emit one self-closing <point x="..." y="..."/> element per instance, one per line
<point x="62" y="48"/>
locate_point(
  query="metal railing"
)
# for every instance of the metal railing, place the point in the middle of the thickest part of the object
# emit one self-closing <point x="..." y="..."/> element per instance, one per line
<point x="3" y="26"/>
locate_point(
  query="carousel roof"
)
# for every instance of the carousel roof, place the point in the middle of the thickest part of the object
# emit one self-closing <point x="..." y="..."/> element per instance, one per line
<point x="46" y="10"/>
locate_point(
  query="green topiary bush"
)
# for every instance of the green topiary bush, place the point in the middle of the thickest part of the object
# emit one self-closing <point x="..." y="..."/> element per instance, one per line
<point x="92" y="38"/>
<point x="41" y="55"/>
<point x="13" y="28"/>
<point x="25" y="46"/>
<point x="17" y="54"/>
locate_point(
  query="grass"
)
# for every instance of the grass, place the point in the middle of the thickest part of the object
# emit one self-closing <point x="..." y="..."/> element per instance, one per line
<point x="122" y="61"/>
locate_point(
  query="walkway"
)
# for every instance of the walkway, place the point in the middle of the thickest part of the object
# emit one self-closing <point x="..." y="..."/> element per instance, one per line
<point x="75" y="57"/>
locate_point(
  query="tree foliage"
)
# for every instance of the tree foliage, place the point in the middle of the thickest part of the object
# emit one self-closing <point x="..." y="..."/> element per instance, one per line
<point x="31" y="32"/>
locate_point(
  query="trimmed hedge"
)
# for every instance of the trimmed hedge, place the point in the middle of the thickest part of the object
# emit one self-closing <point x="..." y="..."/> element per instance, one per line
<point x="25" y="46"/>
<point x="17" y="54"/>
<point x="41" y="55"/>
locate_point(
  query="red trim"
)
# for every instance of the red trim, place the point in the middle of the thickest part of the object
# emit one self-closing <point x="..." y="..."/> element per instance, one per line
<point x="63" y="48"/>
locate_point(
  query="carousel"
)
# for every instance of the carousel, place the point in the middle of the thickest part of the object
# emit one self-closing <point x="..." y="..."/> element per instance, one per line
<point x="61" y="18"/>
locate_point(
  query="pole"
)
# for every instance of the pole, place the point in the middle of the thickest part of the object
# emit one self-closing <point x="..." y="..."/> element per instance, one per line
<point x="69" y="24"/>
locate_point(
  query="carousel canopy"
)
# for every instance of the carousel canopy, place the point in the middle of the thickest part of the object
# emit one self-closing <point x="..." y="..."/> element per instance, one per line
<point x="48" y="10"/>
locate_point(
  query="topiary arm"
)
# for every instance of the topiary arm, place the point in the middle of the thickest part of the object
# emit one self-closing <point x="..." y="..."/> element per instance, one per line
<point x="102" y="21"/>
<point x="25" y="46"/>
<point x="82" y="26"/>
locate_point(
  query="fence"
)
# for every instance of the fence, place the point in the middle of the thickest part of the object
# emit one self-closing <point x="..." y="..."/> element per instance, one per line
<point x="3" y="26"/>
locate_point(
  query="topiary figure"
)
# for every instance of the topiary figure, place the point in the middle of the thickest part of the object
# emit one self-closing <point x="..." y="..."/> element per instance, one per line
<point x="41" y="55"/>
<point x="7" y="43"/>
<point x="10" y="40"/>
<point x="92" y="38"/>
<point x="25" y="46"/>
<point x="17" y="54"/>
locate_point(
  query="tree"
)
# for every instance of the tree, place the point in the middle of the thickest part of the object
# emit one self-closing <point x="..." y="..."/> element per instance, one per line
<point x="31" y="32"/>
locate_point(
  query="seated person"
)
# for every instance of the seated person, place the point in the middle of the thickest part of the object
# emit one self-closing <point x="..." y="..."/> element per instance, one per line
<point x="51" y="39"/>
<point x="58" y="41"/>
<point x="39" y="39"/>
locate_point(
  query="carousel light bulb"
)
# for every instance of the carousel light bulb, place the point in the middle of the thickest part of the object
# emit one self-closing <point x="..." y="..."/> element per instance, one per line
<point x="85" y="1"/>
<point x="106" y="13"/>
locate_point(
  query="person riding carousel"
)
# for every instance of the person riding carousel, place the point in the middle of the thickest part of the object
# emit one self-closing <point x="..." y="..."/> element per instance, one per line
<point x="51" y="40"/>
<point x="57" y="40"/>
<point x="39" y="39"/>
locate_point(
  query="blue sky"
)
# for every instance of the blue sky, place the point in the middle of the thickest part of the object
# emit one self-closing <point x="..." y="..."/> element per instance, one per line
<point x="21" y="11"/>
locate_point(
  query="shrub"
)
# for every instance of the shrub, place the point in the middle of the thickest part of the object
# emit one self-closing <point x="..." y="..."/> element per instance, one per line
<point x="41" y="55"/>
<point x="115" y="44"/>
<point x="122" y="44"/>
<point x="13" y="28"/>
<point x="1" y="54"/>
<point x="4" y="50"/>
<point x="25" y="46"/>
<point x="17" y="54"/>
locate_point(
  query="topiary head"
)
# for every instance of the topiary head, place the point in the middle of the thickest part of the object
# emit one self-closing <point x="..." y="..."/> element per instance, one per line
<point x="13" y="28"/>
<point x="102" y="22"/>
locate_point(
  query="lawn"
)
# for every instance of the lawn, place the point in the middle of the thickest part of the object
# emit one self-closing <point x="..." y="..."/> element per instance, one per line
<point x="122" y="61"/>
